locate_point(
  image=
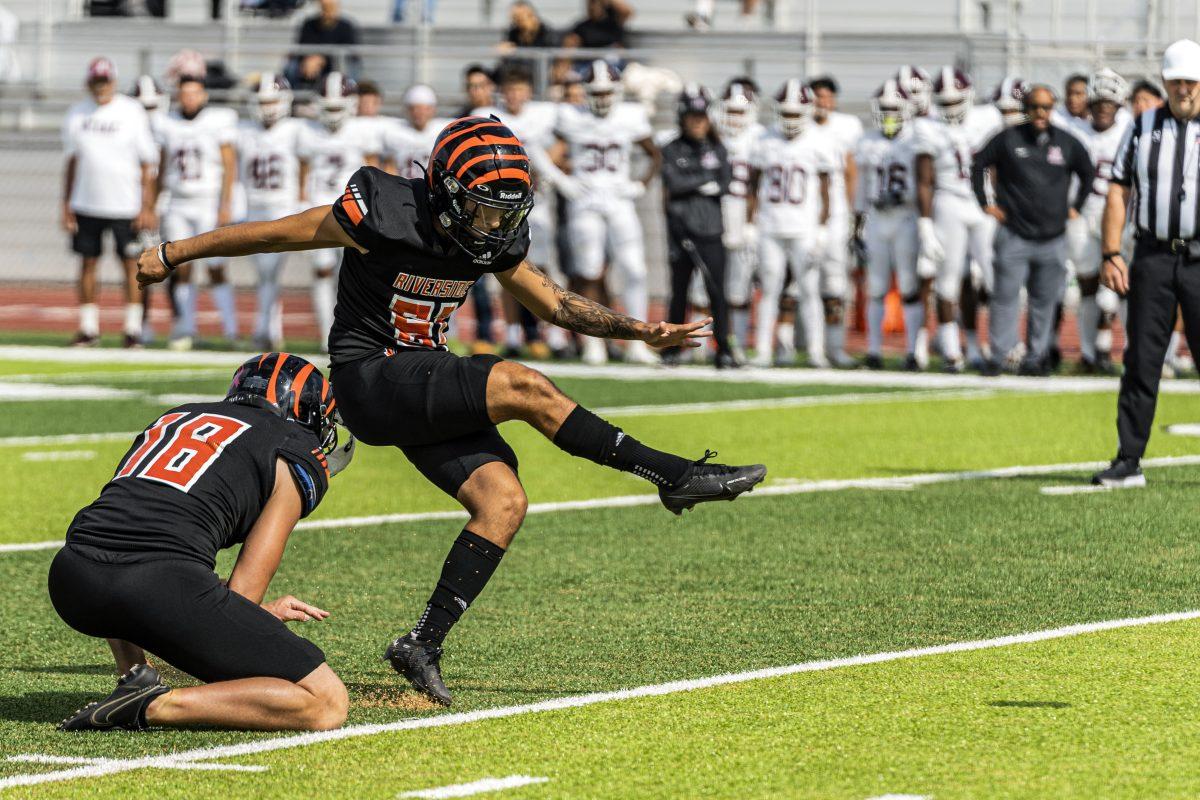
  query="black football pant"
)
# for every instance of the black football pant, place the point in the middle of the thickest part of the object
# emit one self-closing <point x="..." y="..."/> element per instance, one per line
<point x="1159" y="281"/>
<point x="708" y="256"/>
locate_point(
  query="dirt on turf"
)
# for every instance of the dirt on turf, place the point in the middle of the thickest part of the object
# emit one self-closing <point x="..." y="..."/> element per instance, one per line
<point x="381" y="696"/>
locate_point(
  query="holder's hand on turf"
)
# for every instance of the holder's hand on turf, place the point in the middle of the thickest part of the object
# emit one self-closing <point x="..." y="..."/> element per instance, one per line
<point x="289" y="609"/>
<point x="666" y="334"/>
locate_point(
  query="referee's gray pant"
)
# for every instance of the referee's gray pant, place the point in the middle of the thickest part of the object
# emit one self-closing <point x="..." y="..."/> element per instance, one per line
<point x="1040" y="267"/>
<point x="1159" y="281"/>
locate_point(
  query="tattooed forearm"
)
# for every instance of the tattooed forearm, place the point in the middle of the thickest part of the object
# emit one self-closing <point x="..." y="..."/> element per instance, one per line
<point x="588" y="317"/>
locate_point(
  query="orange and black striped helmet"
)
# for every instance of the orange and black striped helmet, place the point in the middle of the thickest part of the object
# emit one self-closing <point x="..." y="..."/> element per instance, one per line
<point x="480" y="186"/>
<point x="291" y="387"/>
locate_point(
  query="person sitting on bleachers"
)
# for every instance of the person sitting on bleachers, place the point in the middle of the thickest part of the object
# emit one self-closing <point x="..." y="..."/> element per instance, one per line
<point x="306" y="71"/>
<point x="603" y="27"/>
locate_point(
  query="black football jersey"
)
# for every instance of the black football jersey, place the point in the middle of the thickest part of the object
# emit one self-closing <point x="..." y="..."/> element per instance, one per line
<point x="196" y="481"/>
<point x="400" y="295"/>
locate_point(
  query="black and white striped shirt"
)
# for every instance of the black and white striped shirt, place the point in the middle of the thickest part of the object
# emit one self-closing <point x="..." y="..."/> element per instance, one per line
<point x="1160" y="158"/>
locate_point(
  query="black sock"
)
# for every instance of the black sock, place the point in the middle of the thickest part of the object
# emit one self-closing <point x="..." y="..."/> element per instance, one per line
<point x="585" y="435"/>
<point x="468" y="567"/>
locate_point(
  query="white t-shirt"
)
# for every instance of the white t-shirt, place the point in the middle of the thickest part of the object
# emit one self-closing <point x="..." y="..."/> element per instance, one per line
<point x="333" y="156"/>
<point x="950" y="147"/>
<point x="193" y="150"/>
<point x="843" y="131"/>
<point x="404" y="144"/>
<point x="110" y="143"/>
<point x="269" y="163"/>
<point x="789" y="186"/>
<point x="887" y="170"/>
<point x="600" y="148"/>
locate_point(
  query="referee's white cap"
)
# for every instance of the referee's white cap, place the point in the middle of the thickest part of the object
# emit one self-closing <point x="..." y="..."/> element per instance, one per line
<point x="1181" y="61"/>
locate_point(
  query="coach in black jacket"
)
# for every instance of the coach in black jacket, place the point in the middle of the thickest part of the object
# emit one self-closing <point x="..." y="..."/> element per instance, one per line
<point x="696" y="172"/>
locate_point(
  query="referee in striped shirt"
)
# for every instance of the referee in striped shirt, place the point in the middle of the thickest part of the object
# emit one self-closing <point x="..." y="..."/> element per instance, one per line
<point x="1157" y="168"/>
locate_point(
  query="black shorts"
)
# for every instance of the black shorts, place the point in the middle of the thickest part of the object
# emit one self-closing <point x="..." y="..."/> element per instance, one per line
<point x="181" y="612"/>
<point x="89" y="235"/>
<point x="430" y="404"/>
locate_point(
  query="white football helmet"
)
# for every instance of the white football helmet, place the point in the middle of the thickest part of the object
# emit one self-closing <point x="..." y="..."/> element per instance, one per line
<point x="272" y="99"/>
<point x="916" y="84"/>
<point x="602" y="83"/>
<point x="147" y="92"/>
<point x="794" y="107"/>
<point x="891" y="108"/>
<point x="954" y="94"/>
<point x="738" y="107"/>
<point x="1105" y="84"/>
<point x="336" y="102"/>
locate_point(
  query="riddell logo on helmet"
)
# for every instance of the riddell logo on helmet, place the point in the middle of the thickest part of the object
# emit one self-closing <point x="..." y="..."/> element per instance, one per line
<point x="510" y="195"/>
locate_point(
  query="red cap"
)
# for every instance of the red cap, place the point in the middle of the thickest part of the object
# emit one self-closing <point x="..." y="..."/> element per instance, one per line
<point x="101" y="69"/>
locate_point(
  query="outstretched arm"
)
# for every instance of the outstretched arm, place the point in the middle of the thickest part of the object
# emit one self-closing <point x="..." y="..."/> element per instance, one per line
<point x="549" y="301"/>
<point x="314" y="229"/>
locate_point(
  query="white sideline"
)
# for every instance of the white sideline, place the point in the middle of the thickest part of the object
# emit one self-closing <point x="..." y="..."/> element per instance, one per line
<point x="898" y="483"/>
<point x="1184" y="429"/>
<point x="475" y="787"/>
<point x="577" y="701"/>
<point x="14" y="392"/>
<point x="58" y="455"/>
<point x="68" y="438"/>
<point x="1059" y="491"/>
<point x="790" y="377"/>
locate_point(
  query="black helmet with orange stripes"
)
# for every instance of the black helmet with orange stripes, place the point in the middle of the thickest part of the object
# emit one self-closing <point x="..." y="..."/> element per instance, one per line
<point x="291" y="387"/>
<point x="480" y="187"/>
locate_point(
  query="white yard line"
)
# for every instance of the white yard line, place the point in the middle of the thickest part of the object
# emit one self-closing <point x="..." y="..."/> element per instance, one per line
<point x="38" y="758"/>
<point x="13" y="392"/>
<point x="59" y="455"/>
<point x="475" y="787"/>
<point x="1087" y="488"/>
<point x="83" y="355"/>
<point x="576" y="701"/>
<point x="902" y="797"/>
<point x="118" y="375"/>
<point x="68" y="438"/>
<point x="1184" y="429"/>
<point x="784" y="487"/>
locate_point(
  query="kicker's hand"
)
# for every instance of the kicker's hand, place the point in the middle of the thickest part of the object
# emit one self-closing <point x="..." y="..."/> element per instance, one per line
<point x="666" y="334"/>
<point x="150" y="268"/>
<point x="289" y="609"/>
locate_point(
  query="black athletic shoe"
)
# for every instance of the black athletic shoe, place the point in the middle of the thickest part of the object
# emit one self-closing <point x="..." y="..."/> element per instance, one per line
<point x="417" y="661"/>
<point x="724" y="361"/>
<point x="873" y="361"/>
<point x="911" y="364"/>
<point x="125" y="708"/>
<point x="1122" y="473"/>
<point x="704" y="482"/>
<point x="990" y="369"/>
<point x="1104" y="363"/>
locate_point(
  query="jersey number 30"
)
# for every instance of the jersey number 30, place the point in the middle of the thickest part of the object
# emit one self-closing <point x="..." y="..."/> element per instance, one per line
<point x="195" y="443"/>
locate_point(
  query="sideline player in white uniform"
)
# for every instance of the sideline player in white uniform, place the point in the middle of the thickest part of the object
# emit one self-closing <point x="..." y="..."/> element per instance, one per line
<point x="198" y="169"/>
<point x="917" y="84"/>
<point x="886" y="204"/>
<point x="843" y="132"/>
<point x="406" y="146"/>
<point x="789" y="199"/>
<point x="952" y="226"/>
<point x="108" y="185"/>
<point x="269" y="169"/>
<point x="737" y="122"/>
<point x="533" y="122"/>
<point x="1106" y="94"/>
<point x="594" y="147"/>
<point x="333" y="148"/>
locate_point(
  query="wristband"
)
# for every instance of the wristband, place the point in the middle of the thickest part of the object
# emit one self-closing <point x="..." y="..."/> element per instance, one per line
<point x="1110" y="256"/>
<point x="162" y="256"/>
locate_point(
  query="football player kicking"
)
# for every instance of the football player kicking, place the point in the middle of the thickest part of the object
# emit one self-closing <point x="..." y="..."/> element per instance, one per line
<point x="137" y="567"/>
<point x="413" y="248"/>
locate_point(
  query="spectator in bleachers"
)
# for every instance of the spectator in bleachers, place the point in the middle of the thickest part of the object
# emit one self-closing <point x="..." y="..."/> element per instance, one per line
<point x="527" y="29"/>
<point x="306" y="71"/>
<point x="479" y="87"/>
<point x="1145" y="96"/>
<point x="107" y="186"/>
<point x="603" y="27"/>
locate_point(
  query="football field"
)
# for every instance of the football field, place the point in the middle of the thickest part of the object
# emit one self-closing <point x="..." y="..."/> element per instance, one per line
<point x="918" y="602"/>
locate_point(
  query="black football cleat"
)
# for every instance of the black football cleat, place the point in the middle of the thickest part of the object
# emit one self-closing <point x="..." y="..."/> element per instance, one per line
<point x="417" y="661"/>
<point x="1122" y="473"/>
<point x="873" y="361"/>
<point x="704" y="482"/>
<point x="125" y="708"/>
